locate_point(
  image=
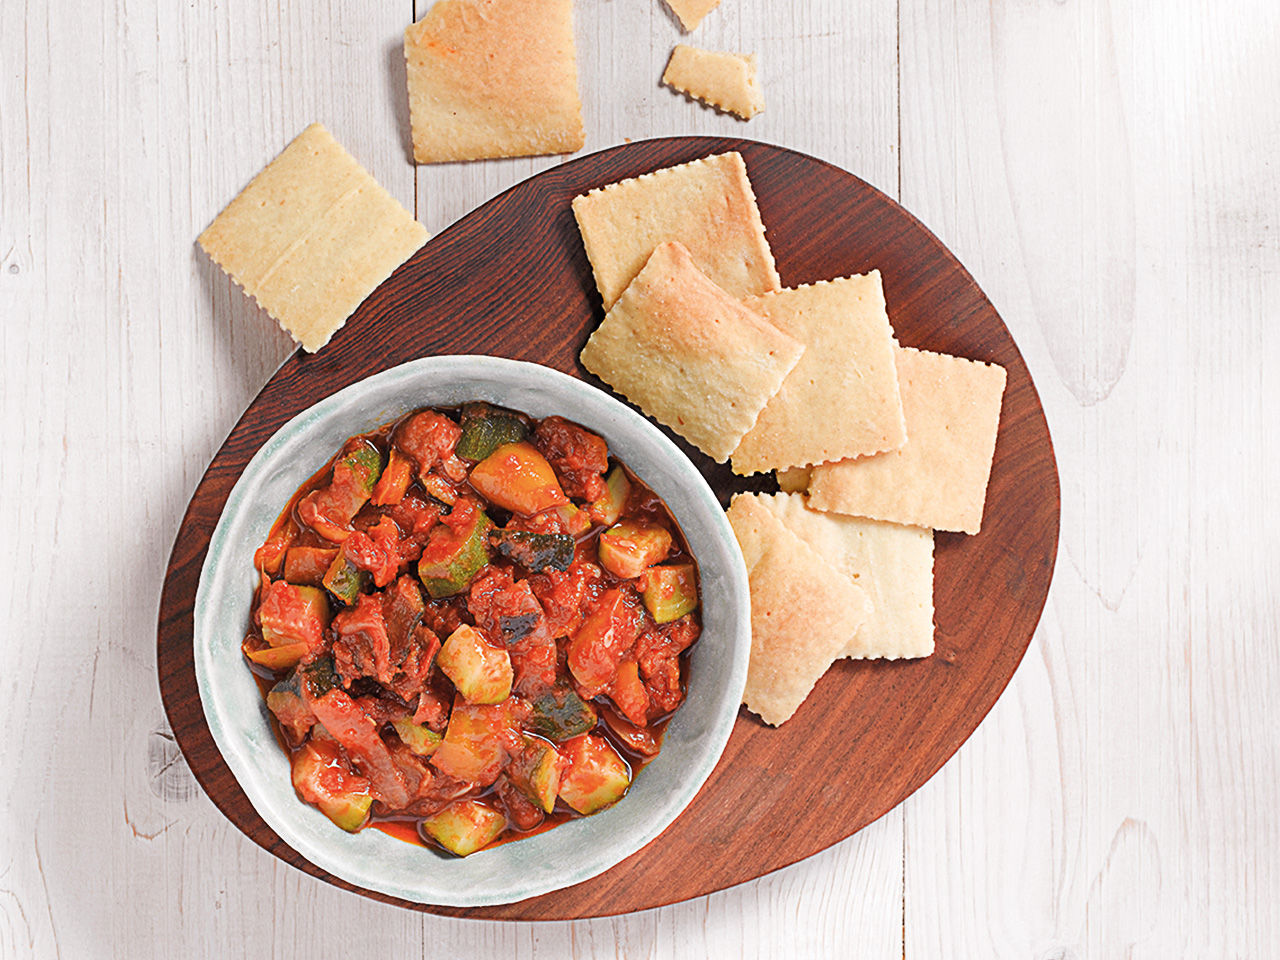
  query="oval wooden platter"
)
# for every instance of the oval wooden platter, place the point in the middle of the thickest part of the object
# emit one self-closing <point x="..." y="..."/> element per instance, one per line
<point x="512" y="280"/>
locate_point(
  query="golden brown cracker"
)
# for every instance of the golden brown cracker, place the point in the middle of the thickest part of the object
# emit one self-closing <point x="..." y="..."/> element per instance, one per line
<point x="893" y="563"/>
<point x="938" y="479"/>
<point x="690" y="355"/>
<point x="726" y="81"/>
<point x="493" y="78"/>
<point x="312" y="236"/>
<point x="842" y="398"/>
<point x="691" y="12"/>
<point x="707" y="205"/>
<point x="804" y="613"/>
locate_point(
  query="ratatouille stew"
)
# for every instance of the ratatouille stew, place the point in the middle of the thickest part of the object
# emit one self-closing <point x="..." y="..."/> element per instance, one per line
<point x="471" y="625"/>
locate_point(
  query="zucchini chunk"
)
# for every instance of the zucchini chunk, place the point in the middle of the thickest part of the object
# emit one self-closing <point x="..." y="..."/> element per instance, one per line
<point x="421" y="740"/>
<point x="609" y="508"/>
<point x="670" y="592"/>
<point x="485" y="429"/>
<point x="394" y="482"/>
<point x="596" y="777"/>
<point x="464" y="826"/>
<point x="322" y="777"/>
<point x="629" y="547"/>
<point x="280" y="658"/>
<point x="475" y="745"/>
<point x="536" y="552"/>
<point x="345" y="580"/>
<point x="481" y="672"/>
<point x="561" y="714"/>
<point x="536" y="772"/>
<point x="518" y="478"/>
<point x="454" y="554"/>
<point x="291" y="614"/>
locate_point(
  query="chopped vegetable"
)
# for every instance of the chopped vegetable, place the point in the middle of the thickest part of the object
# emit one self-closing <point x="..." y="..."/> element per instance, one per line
<point x="464" y="826"/>
<point x="561" y="714"/>
<point x="481" y="672"/>
<point x="609" y="508"/>
<point x="670" y="592"/>
<point x="293" y="615"/>
<point x="280" y="658"/>
<point x="518" y="478"/>
<point x="629" y="547"/>
<point x="322" y="777"/>
<point x="394" y="482"/>
<point x="596" y="776"/>
<point x="536" y="552"/>
<point x="536" y="772"/>
<point x="477" y="743"/>
<point x="345" y="580"/>
<point x="308" y="565"/>
<point x="455" y="553"/>
<point x="485" y="429"/>
<point x="421" y="740"/>
<point x="605" y="637"/>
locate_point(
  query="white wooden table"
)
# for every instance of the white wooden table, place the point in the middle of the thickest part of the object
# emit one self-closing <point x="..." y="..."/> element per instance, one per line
<point x="1107" y="171"/>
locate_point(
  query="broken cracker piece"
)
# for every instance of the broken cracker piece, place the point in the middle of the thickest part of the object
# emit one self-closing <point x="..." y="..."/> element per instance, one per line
<point x="707" y="205"/>
<point x="892" y="562"/>
<point x="842" y="398"/>
<point x="723" y="80"/>
<point x="939" y="477"/>
<point x="804" y="613"/>
<point x="793" y="479"/>
<point x="493" y="78"/>
<point x="691" y="12"/>
<point x="311" y="237"/>
<point x="690" y="355"/>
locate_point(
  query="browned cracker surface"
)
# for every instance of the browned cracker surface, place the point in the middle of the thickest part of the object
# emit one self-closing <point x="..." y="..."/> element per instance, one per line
<point x="724" y="80"/>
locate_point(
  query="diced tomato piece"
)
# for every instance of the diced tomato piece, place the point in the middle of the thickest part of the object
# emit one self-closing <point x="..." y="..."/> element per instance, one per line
<point x="605" y="637"/>
<point x="291" y="614"/>
<point x="380" y="550"/>
<point x="329" y="511"/>
<point x="565" y="597"/>
<point x="518" y="478"/>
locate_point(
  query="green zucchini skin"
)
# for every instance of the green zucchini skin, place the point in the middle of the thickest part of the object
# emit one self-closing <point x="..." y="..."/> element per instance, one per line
<point x="536" y="552"/>
<point x="562" y="714"/>
<point x="485" y="429"/>
<point x="451" y="572"/>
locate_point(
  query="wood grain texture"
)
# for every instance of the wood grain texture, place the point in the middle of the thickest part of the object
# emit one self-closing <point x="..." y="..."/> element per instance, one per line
<point x="472" y="291"/>
<point x="1148" y="693"/>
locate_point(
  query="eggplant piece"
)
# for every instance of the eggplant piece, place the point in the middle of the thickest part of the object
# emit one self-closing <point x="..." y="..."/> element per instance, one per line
<point x="536" y="552"/>
<point x="345" y="580"/>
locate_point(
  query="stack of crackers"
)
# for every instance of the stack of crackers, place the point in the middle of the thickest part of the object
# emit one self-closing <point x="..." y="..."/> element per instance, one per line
<point x="875" y="445"/>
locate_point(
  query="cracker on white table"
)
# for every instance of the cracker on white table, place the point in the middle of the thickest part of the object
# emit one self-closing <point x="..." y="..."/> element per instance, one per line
<point x="804" y="612"/>
<point x="493" y="78"/>
<point x="311" y="236"/>
<point x="691" y="12"/>
<point x="707" y="205"/>
<point x="892" y="562"/>
<point x="842" y="398"/>
<point x="690" y="355"/>
<point x="938" y="479"/>
<point x="724" y="80"/>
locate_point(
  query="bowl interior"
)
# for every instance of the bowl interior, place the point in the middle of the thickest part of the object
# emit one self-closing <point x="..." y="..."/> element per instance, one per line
<point x="574" y="851"/>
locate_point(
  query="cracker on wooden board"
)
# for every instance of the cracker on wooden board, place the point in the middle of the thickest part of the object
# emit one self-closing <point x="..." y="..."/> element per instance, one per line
<point x="691" y="12"/>
<point x="312" y="236"/>
<point x="690" y="355"/>
<point x="804" y="613"/>
<point x="939" y="477"/>
<point x="724" y="80"/>
<point x="842" y="398"/>
<point x="892" y="562"/>
<point x="707" y="205"/>
<point x="493" y="78"/>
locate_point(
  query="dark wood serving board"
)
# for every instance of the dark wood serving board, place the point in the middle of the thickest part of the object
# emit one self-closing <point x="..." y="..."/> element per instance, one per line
<point x="512" y="280"/>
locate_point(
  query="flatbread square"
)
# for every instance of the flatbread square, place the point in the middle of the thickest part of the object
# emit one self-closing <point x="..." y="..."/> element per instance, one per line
<point x="842" y="398"/>
<point x="707" y="205"/>
<point x="891" y="562"/>
<point x="493" y="78"/>
<point x="724" y="80"/>
<point x="804" y="613"/>
<point x="939" y="478"/>
<point x="691" y="12"/>
<point x="312" y="236"/>
<point x="690" y="355"/>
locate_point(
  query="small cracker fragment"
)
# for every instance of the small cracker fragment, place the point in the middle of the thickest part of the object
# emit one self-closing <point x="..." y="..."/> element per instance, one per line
<point x="690" y="355"/>
<point x="707" y="205"/>
<point x="803" y="612"/>
<point x="842" y="398"/>
<point x="493" y="78"/>
<point x="892" y="562"/>
<point x="939" y="478"/>
<point x="311" y="237"/>
<point x="794" y="479"/>
<point x="724" y="80"/>
<point x="691" y="12"/>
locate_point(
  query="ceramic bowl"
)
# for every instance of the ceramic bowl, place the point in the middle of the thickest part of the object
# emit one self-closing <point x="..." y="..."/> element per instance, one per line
<point x="574" y="851"/>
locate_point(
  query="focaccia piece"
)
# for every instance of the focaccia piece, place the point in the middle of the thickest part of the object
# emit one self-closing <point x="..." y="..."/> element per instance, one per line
<point x="690" y="355"/>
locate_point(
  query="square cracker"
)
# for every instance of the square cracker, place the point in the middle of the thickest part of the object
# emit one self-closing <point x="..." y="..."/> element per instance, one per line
<point x="842" y="398"/>
<point x="723" y="80"/>
<point x="493" y="78"/>
<point x="312" y="236"/>
<point x="939" y="478"/>
<point x="804" y="613"/>
<point x="892" y="562"/>
<point x="691" y="12"/>
<point x="690" y="355"/>
<point x="707" y="205"/>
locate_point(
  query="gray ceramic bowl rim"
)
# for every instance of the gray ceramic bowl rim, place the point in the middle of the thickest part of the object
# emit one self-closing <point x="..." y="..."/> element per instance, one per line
<point x="574" y="851"/>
